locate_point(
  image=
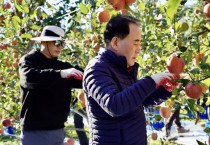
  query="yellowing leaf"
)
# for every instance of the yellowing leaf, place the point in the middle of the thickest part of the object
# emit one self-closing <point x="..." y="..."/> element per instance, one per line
<point x="83" y="8"/>
<point x="26" y="35"/>
<point x="172" y="7"/>
<point x="141" y="6"/>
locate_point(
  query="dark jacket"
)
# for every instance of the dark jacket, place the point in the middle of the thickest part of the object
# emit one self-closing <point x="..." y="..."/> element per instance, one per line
<point x="115" y="100"/>
<point x="45" y="95"/>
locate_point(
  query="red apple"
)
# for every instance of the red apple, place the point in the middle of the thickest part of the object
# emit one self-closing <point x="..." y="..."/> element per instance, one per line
<point x="193" y="91"/>
<point x="69" y="141"/>
<point x="154" y="136"/>
<point x="3" y="46"/>
<point x="204" y="87"/>
<point x="94" y="38"/>
<point x="198" y="57"/>
<point x="120" y="5"/>
<point x="14" y="42"/>
<point x="103" y="16"/>
<point x="81" y="98"/>
<point x="6" y="6"/>
<point x="197" y="11"/>
<point x="175" y="64"/>
<point x="6" y="122"/>
<point x="165" y="111"/>
<point x="1" y="79"/>
<point x="206" y="11"/>
<point x="129" y="2"/>
<point x="113" y="2"/>
<point x="96" y="46"/>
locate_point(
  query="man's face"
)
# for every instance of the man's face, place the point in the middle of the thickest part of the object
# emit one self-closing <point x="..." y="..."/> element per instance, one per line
<point x="130" y="45"/>
<point x="53" y="49"/>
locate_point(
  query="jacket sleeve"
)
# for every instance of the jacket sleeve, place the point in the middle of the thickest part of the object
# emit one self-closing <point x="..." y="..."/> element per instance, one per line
<point x="31" y="77"/>
<point x="99" y="85"/>
<point x="157" y="97"/>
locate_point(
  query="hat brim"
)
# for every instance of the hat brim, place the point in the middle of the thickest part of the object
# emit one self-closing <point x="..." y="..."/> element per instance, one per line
<point x="46" y="38"/>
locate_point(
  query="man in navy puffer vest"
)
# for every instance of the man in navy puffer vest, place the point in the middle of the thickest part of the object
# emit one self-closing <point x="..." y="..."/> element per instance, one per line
<point x="115" y="98"/>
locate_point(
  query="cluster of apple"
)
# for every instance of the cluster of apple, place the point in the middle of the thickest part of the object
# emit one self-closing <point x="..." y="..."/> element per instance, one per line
<point x="175" y="66"/>
<point x="118" y="5"/>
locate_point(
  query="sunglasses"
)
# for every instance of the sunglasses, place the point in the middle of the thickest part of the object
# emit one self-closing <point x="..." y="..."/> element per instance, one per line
<point x="59" y="43"/>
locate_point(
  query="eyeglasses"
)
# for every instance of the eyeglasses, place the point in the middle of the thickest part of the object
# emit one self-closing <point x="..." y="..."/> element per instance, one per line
<point x="59" y="43"/>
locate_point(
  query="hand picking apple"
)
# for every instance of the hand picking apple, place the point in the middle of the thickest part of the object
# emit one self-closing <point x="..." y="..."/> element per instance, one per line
<point x="161" y="76"/>
<point x="72" y="72"/>
<point x="169" y="84"/>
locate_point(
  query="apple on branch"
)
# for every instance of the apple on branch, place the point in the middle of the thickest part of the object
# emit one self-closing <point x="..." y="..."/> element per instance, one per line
<point x="175" y="64"/>
<point x="6" y="122"/>
<point x="154" y="136"/>
<point x="165" y="111"/>
<point x="193" y="91"/>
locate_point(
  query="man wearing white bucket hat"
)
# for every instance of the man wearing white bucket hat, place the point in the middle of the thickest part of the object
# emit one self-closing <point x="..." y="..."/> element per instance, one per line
<point x="45" y="86"/>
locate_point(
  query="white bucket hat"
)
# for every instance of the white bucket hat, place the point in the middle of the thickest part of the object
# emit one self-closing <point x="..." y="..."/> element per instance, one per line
<point x="50" y="33"/>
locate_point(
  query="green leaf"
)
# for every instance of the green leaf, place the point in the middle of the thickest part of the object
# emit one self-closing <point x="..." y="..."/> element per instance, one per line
<point x="16" y="22"/>
<point x="24" y="20"/>
<point x="181" y="27"/>
<point x="175" y="91"/>
<point x="35" y="27"/>
<point x="200" y="143"/>
<point x="26" y="35"/>
<point x="23" y="7"/>
<point x="182" y="48"/>
<point x="83" y="8"/>
<point x="33" y="14"/>
<point x="157" y="117"/>
<point x="200" y="109"/>
<point x="191" y="101"/>
<point x="162" y="8"/>
<point x="208" y="101"/>
<point x="207" y="130"/>
<point x="183" y="81"/>
<point x="93" y="23"/>
<point x="204" y="66"/>
<point x="195" y="71"/>
<point x="172" y="7"/>
<point x="191" y="106"/>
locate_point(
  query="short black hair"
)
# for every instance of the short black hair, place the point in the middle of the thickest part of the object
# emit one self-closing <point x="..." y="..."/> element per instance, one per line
<point x="118" y="26"/>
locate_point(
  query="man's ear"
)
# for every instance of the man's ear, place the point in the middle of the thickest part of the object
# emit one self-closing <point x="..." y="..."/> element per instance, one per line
<point x="114" y="43"/>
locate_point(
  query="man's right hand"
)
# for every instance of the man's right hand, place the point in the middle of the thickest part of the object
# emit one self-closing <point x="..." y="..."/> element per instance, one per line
<point x="72" y="72"/>
<point x="161" y="76"/>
